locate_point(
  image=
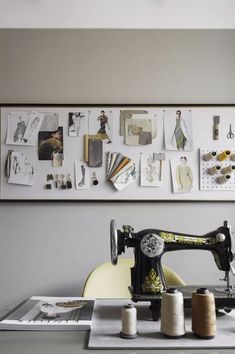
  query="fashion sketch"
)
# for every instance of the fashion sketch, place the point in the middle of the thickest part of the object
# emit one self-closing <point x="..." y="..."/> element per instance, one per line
<point x="104" y="124"/>
<point x="23" y="127"/>
<point x="21" y="169"/>
<point x="101" y="124"/>
<point x="16" y="126"/>
<point x="81" y="175"/>
<point x="182" y="175"/>
<point x="178" y="130"/>
<point x="149" y="171"/>
<point x="77" y="124"/>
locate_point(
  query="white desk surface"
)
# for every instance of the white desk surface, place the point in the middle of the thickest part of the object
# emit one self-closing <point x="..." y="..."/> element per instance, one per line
<point x="58" y="342"/>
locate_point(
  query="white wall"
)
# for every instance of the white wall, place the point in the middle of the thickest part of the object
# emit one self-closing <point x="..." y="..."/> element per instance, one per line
<point x="117" y="14"/>
<point x="49" y="248"/>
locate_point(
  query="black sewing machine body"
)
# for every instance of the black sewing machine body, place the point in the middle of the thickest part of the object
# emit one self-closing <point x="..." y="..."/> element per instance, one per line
<point x="149" y="245"/>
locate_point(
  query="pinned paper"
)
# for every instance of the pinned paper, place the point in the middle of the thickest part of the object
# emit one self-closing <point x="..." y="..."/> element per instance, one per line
<point x="23" y="127"/>
<point x="21" y="170"/>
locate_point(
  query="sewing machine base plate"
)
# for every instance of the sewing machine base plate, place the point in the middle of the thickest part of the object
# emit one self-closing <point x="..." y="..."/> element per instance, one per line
<point x="223" y="300"/>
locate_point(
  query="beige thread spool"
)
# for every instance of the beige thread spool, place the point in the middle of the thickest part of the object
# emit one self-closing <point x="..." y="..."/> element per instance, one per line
<point x="203" y="314"/>
<point x="129" y="322"/>
<point x="223" y="179"/>
<point x="232" y="157"/>
<point x="228" y="169"/>
<point x="172" y="313"/>
<point x="223" y="155"/>
<point x="209" y="156"/>
<point x="214" y="169"/>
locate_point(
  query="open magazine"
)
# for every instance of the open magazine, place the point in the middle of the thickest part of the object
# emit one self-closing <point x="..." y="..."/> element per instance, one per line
<point x="50" y="313"/>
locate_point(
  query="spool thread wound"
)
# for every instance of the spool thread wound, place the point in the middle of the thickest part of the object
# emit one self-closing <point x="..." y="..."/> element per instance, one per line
<point x="223" y="155"/>
<point x="172" y="314"/>
<point x="223" y="179"/>
<point x="129" y="322"/>
<point x="203" y="314"/>
<point x="209" y="156"/>
<point x="214" y="169"/>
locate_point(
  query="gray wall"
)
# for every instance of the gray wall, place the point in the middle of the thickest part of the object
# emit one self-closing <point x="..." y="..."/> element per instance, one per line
<point x="49" y="248"/>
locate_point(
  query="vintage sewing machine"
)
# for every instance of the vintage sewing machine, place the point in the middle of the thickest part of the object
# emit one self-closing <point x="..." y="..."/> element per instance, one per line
<point x="147" y="278"/>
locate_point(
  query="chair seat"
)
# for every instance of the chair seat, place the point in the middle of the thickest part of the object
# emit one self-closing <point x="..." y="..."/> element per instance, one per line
<point x="108" y="281"/>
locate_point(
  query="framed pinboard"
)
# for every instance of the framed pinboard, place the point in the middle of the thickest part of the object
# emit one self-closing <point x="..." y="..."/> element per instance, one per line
<point x="119" y="152"/>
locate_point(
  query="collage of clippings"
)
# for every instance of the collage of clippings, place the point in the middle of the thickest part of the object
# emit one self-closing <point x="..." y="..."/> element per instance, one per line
<point x="94" y="127"/>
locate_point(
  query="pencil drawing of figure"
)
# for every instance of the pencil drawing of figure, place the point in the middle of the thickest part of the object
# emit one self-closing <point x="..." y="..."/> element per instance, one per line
<point x="20" y="130"/>
<point x="16" y="165"/>
<point x="83" y="179"/>
<point x="151" y="172"/>
<point x="184" y="176"/>
<point x="75" y="119"/>
<point x="104" y="121"/>
<point x="33" y="126"/>
<point x="180" y="136"/>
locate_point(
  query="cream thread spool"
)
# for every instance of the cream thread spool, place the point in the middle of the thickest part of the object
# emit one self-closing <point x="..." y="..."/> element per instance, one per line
<point x="129" y="322"/>
<point x="203" y="314"/>
<point x="228" y="169"/>
<point x="223" y="179"/>
<point x="209" y="156"/>
<point x="223" y="155"/>
<point x="214" y="169"/>
<point x="172" y="314"/>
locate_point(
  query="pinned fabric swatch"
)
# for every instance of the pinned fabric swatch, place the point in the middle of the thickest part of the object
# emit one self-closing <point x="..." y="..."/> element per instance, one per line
<point x="120" y="170"/>
<point x="128" y="114"/>
<point x="138" y="131"/>
<point x="95" y="151"/>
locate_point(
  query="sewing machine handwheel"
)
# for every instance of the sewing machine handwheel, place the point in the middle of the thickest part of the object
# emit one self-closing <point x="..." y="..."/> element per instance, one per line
<point x="113" y="242"/>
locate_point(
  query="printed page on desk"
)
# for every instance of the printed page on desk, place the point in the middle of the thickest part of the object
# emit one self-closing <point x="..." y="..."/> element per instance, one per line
<point x="50" y="313"/>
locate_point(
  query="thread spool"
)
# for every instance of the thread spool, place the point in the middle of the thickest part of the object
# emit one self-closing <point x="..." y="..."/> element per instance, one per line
<point x="172" y="314"/>
<point x="129" y="322"/>
<point x="209" y="156"/>
<point x="203" y="314"/>
<point x="214" y="169"/>
<point x="223" y="155"/>
<point x="232" y="157"/>
<point x="228" y="169"/>
<point x="223" y="179"/>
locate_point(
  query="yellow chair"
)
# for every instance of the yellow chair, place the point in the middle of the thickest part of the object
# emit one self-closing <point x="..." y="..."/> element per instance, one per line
<point x="108" y="281"/>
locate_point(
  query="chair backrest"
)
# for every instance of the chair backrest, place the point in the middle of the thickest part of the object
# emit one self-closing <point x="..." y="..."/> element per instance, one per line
<point x="108" y="281"/>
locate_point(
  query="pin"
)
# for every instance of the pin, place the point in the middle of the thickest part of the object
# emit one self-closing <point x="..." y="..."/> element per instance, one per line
<point x="94" y="179"/>
<point x="69" y="181"/>
<point x="63" y="185"/>
<point x="56" y="181"/>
